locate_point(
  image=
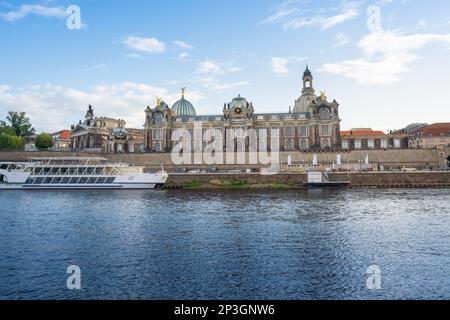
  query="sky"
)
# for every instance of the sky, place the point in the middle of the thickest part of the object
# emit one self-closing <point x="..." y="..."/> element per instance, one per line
<point x="387" y="62"/>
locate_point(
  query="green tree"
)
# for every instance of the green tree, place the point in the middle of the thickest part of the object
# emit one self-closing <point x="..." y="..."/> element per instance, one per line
<point x="43" y="141"/>
<point x="7" y="130"/>
<point x="11" y="142"/>
<point x="20" y="123"/>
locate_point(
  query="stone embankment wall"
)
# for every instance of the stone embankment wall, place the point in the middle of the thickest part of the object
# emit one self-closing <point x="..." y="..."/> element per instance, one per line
<point x="289" y="180"/>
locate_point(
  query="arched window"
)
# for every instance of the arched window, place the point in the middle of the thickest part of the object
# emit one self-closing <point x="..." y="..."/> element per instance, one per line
<point x="324" y="114"/>
<point x="308" y="84"/>
<point x="158" y="119"/>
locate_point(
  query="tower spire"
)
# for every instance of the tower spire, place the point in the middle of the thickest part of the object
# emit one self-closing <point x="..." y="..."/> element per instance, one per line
<point x="308" y="88"/>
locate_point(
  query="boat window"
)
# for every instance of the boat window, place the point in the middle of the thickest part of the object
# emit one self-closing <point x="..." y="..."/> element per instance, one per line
<point x="83" y="181"/>
<point x="91" y="180"/>
<point x="65" y="180"/>
<point x="39" y="181"/>
<point x="110" y="180"/>
<point x="2" y="179"/>
<point x="74" y="180"/>
<point x="101" y="180"/>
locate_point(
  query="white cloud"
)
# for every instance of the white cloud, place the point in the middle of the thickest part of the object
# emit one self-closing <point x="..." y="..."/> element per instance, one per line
<point x="147" y="45"/>
<point x="293" y="15"/>
<point x="422" y="24"/>
<point x="183" y="56"/>
<point x="209" y="67"/>
<point x="387" y="56"/>
<point x="280" y="14"/>
<point x="229" y="86"/>
<point x="341" y="40"/>
<point x="64" y="105"/>
<point x="211" y="74"/>
<point x="101" y="66"/>
<point x="279" y="65"/>
<point x="34" y="9"/>
<point x="135" y="56"/>
<point x="183" y="45"/>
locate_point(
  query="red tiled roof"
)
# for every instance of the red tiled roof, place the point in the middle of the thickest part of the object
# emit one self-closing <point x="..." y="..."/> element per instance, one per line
<point x="64" y="134"/>
<point x="362" y="133"/>
<point x="436" y="129"/>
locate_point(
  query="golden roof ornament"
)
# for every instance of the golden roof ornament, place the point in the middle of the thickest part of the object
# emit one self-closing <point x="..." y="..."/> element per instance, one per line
<point x="158" y="102"/>
<point x="323" y="96"/>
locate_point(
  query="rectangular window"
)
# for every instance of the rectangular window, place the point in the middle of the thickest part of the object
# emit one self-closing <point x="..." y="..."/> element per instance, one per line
<point x="289" y="144"/>
<point x="397" y="143"/>
<point x="371" y="144"/>
<point x="304" y="144"/>
<point x="157" y="134"/>
<point x="326" y="143"/>
<point x="324" y="130"/>
<point x="303" y="131"/>
<point x="358" y="144"/>
<point x="289" y="131"/>
<point x="275" y="133"/>
<point x="262" y="133"/>
<point x="218" y="133"/>
<point x="345" y="144"/>
<point x="384" y="143"/>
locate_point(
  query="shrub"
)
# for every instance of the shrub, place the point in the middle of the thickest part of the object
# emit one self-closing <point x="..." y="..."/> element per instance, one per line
<point x="44" y="141"/>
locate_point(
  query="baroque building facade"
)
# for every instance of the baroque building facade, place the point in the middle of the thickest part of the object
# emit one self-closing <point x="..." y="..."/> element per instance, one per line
<point x="105" y="135"/>
<point x="313" y="124"/>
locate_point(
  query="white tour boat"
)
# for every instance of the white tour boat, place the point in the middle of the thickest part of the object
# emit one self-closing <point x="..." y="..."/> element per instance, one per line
<point x="77" y="173"/>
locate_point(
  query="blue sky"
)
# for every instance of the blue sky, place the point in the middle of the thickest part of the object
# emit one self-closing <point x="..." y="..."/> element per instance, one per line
<point x="129" y="52"/>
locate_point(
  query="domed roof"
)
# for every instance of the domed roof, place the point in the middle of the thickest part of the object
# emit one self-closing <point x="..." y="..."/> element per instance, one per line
<point x="183" y="107"/>
<point x="307" y="72"/>
<point x="238" y="102"/>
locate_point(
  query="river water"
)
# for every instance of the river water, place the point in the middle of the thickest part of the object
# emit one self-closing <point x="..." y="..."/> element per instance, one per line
<point x="238" y="244"/>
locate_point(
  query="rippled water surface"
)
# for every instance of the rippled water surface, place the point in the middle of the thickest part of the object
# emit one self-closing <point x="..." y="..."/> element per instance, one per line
<point x="238" y="244"/>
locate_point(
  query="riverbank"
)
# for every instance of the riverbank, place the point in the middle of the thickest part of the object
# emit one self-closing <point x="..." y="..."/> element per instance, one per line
<point x="391" y="158"/>
<point x="296" y="180"/>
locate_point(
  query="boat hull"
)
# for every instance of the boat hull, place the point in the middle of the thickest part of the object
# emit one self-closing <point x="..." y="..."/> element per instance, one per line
<point x="135" y="186"/>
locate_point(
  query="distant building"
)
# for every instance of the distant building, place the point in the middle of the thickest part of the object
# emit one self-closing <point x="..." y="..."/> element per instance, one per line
<point x="313" y="124"/>
<point x="61" y="140"/>
<point x="125" y="140"/>
<point x="105" y="135"/>
<point x="366" y="138"/>
<point x="432" y="136"/>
